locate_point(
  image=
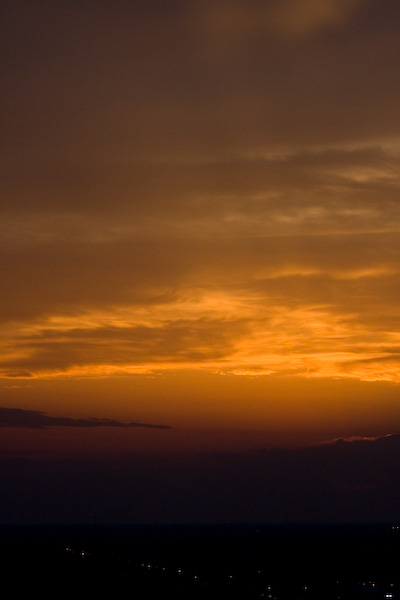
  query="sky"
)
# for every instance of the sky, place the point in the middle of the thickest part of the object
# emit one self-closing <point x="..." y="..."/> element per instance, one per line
<point x="199" y="226"/>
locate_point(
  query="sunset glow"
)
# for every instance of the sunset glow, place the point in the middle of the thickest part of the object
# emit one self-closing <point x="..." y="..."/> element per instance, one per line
<point x="200" y="220"/>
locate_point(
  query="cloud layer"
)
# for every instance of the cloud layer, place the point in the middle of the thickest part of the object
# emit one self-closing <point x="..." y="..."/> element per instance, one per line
<point x="208" y="186"/>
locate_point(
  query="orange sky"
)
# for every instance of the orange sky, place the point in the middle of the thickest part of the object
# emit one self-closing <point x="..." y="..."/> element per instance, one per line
<point x="200" y="221"/>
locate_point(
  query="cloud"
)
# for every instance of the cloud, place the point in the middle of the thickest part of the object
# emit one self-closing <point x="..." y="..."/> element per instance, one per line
<point x="302" y="17"/>
<point x="361" y="438"/>
<point x="82" y="107"/>
<point x="252" y="152"/>
<point x="299" y="314"/>
<point x="32" y="419"/>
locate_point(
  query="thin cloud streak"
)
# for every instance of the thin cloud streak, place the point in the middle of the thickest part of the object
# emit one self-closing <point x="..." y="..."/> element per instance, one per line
<point x="33" y="419"/>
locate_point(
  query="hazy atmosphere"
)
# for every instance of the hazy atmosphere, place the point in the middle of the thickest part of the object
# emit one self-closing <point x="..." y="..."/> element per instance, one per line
<point x="200" y="250"/>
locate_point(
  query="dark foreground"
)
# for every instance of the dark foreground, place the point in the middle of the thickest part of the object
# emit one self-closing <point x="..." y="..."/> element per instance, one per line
<point x="272" y="562"/>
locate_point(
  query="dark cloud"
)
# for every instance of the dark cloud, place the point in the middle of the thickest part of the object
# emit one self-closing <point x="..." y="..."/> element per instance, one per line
<point x="139" y="81"/>
<point x="33" y="419"/>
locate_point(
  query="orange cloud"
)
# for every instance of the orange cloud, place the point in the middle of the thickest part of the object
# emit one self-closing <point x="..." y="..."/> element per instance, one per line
<point x="220" y="332"/>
